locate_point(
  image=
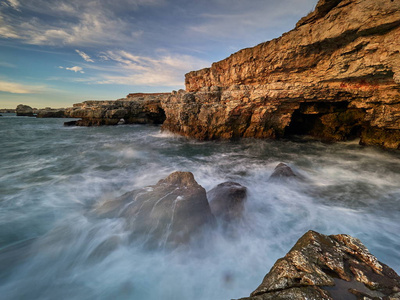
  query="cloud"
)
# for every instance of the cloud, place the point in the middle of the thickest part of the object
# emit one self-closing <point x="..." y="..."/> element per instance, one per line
<point x="17" y="88"/>
<point x="14" y="4"/>
<point x="164" y="70"/>
<point x="74" y="22"/>
<point x="75" y="69"/>
<point x="84" y="56"/>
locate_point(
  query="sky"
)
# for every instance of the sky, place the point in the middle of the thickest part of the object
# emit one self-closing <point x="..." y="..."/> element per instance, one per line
<point x="59" y="52"/>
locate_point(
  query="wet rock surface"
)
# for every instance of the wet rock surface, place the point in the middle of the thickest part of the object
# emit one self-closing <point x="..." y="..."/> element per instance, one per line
<point x="335" y="76"/>
<point x="167" y="214"/>
<point x="328" y="267"/>
<point x="227" y="201"/>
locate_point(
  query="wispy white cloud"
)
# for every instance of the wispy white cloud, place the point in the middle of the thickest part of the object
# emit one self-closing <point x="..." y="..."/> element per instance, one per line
<point x="13" y="3"/>
<point x="18" y="88"/>
<point x="84" y="56"/>
<point x="73" y="22"/>
<point x="74" y="69"/>
<point x="7" y="31"/>
<point x="164" y="70"/>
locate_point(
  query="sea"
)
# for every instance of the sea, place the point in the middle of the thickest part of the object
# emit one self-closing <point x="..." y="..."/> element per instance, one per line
<point x="52" y="176"/>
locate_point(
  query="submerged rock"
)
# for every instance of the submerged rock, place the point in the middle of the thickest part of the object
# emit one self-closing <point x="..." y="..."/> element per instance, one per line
<point x="282" y="171"/>
<point x="328" y="267"/>
<point x="24" y="111"/>
<point x="227" y="200"/>
<point x="163" y="215"/>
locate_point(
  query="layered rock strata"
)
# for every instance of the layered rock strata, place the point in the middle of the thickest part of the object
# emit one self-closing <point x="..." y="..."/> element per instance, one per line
<point x="134" y="109"/>
<point x="336" y="76"/>
<point x="328" y="267"/>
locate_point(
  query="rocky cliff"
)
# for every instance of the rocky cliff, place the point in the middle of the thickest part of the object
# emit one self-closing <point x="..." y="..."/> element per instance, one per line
<point x="336" y="76"/>
<point x="136" y="108"/>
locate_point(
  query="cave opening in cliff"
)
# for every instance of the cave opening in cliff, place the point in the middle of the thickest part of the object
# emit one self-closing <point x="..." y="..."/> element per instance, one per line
<point x="328" y="121"/>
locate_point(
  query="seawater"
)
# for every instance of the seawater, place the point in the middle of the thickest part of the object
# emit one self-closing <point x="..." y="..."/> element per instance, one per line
<point x="52" y="176"/>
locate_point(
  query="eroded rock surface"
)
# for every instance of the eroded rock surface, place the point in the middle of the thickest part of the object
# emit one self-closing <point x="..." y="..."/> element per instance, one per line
<point x="163" y="215"/>
<point x="227" y="201"/>
<point x="336" y="76"/>
<point x="134" y="109"/>
<point x="328" y="267"/>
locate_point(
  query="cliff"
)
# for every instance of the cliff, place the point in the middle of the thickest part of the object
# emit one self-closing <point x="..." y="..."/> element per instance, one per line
<point x="139" y="108"/>
<point x="336" y="76"/>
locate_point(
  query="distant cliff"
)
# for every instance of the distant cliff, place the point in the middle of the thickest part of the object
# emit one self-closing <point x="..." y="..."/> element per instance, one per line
<point x="139" y="108"/>
<point x="335" y="76"/>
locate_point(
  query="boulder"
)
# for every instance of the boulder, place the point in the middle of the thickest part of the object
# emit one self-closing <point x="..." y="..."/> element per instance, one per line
<point x="227" y="201"/>
<point x="282" y="171"/>
<point x="24" y="111"/>
<point x="328" y="267"/>
<point x="167" y="214"/>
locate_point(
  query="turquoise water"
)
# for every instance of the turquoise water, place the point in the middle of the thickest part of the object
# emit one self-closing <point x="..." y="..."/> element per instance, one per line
<point x="52" y="176"/>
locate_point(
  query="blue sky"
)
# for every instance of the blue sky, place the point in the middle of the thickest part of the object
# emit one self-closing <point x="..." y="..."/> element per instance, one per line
<point x="59" y="52"/>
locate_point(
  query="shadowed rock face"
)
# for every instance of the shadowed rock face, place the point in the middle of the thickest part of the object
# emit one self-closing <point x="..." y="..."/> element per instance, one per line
<point x="227" y="201"/>
<point x="336" y="76"/>
<point x="328" y="267"/>
<point x="163" y="215"/>
<point x="135" y="109"/>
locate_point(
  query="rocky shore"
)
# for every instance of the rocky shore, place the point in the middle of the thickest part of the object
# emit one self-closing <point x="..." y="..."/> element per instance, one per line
<point x="334" y="77"/>
<point x="136" y="108"/>
<point x="177" y="210"/>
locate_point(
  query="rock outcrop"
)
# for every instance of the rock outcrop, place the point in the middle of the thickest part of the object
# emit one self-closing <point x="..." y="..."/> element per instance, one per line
<point x="24" y="111"/>
<point x="227" y="201"/>
<point x="49" y="112"/>
<point x="336" y="76"/>
<point x="134" y="109"/>
<point x="328" y="267"/>
<point x="167" y="214"/>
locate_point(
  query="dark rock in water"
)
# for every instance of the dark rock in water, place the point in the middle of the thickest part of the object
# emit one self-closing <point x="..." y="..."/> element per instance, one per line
<point x="1" y="115"/>
<point x="282" y="171"/>
<point x="24" y="111"/>
<point x="163" y="215"/>
<point x="227" y="200"/>
<point x="328" y="267"/>
<point x="70" y="123"/>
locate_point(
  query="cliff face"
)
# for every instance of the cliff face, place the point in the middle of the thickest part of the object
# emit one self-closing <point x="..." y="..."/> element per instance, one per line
<point x="335" y="76"/>
<point x="134" y="109"/>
